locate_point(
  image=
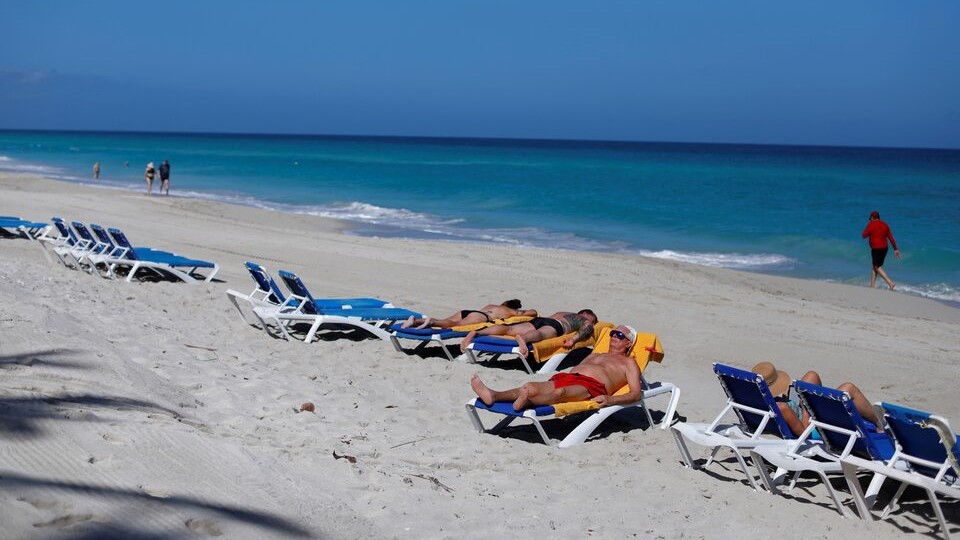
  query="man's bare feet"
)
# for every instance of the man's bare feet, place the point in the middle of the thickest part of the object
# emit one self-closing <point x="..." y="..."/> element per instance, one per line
<point x="409" y="322"/>
<point x="426" y="322"/>
<point x="892" y="285"/>
<point x="523" y="399"/>
<point x="522" y="347"/>
<point x="467" y="340"/>
<point x="483" y="391"/>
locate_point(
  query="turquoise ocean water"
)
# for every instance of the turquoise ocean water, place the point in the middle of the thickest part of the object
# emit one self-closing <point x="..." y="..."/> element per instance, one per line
<point x="787" y="210"/>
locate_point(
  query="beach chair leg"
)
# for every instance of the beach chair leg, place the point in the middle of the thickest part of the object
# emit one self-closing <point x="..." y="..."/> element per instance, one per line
<point x="526" y="363"/>
<point x="935" y="502"/>
<point x="853" y="484"/>
<point x="671" y="407"/>
<point x="746" y="469"/>
<point x="475" y="418"/>
<point x="543" y="434"/>
<point x="874" y="489"/>
<point x="833" y="493"/>
<point x="684" y="451"/>
<point x="586" y="428"/>
<point x="646" y="411"/>
<point x="892" y="505"/>
<point x="765" y="479"/>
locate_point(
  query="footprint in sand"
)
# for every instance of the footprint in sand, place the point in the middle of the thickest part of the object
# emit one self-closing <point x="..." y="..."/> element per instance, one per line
<point x="203" y="526"/>
<point x="45" y="505"/>
<point x="70" y="520"/>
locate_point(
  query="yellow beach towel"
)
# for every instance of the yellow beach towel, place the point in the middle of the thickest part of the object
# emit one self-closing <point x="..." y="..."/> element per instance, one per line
<point x="478" y="326"/>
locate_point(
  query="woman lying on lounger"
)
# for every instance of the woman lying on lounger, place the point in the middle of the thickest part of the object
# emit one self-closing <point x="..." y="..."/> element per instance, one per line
<point x="486" y="314"/>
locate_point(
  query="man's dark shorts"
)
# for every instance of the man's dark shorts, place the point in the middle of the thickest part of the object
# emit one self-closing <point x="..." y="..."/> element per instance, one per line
<point x="879" y="255"/>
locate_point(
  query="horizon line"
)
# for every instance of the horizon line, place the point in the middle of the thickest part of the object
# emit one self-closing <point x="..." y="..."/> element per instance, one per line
<point x="470" y="138"/>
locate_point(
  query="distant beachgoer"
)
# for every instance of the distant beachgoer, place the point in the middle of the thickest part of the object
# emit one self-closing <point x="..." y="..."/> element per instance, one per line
<point x="796" y="416"/>
<point x="488" y="313"/>
<point x="126" y="163"/>
<point x="541" y="328"/>
<point x="879" y="232"/>
<point x="596" y="378"/>
<point x="165" y="177"/>
<point x="148" y="175"/>
<point x="96" y="171"/>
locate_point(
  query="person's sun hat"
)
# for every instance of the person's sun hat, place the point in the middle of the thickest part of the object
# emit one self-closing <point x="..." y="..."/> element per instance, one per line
<point x="150" y="164"/>
<point x="778" y="381"/>
<point x="874" y="215"/>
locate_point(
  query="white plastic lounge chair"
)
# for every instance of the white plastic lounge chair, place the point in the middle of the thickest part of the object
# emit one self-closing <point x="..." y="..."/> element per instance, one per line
<point x="109" y="251"/>
<point x="267" y="294"/>
<point x="757" y="414"/>
<point x="927" y="456"/>
<point x="160" y="262"/>
<point x="98" y="249"/>
<point x="68" y="247"/>
<point x="15" y="226"/>
<point x="646" y="348"/>
<point x="840" y="429"/>
<point x="301" y="308"/>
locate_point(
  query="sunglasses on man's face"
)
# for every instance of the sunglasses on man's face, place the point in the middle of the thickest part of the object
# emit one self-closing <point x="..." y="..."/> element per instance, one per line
<point x="618" y="334"/>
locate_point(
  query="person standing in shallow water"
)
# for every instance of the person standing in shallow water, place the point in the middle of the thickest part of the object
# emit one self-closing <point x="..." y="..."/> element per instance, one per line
<point x="878" y="232"/>
<point x="165" y="177"/>
<point x="148" y="176"/>
<point x="96" y="171"/>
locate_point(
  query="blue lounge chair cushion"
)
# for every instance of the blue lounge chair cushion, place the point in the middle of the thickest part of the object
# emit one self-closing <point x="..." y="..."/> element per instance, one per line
<point x="748" y="388"/>
<point x="426" y="333"/>
<point x="495" y="344"/>
<point x="14" y="223"/>
<point x="297" y="287"/>
<point x="836" y="408"/>
<point x="506" y="408"/>
<point x="156" y="256"/>
<point x="909" y="427"/>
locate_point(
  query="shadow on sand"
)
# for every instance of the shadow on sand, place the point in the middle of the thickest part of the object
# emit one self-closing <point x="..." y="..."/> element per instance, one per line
<point x="95" y="529"/>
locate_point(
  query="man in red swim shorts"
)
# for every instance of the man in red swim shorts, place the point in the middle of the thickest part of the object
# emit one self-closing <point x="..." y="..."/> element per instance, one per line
<point x="879" y="232"/>
<point x="596" y="378"/>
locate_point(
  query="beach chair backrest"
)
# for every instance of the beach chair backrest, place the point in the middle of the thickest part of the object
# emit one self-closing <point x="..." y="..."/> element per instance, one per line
<point x="646" y="348"/>
<point x="265" y="282"/>
<point x="101" y="235"/>
<point x="65" y="231"/>
<point x="121" y="240"/>
<point x="835" y="408"/>
<point x="297" y="288"/>
<point x="748" y="388"/>
<point x="83" y="232"/>
<point x="917" y="438"/>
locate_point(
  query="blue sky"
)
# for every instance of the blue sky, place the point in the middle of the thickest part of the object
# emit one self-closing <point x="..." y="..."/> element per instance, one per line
<point x="869" y="73"/>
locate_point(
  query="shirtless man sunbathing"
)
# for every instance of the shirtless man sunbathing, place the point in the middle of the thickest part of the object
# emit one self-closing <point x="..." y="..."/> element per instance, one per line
<point x="488" y="313"/>
<point x="541" y="328"/>
<point x="597" y="378"/>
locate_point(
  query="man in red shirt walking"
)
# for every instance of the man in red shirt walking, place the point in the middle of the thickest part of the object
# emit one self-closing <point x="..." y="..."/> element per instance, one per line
<point x="878" y="232"/>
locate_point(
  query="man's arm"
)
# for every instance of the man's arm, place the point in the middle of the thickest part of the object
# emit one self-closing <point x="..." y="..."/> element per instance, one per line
<point x="893" y="242"/>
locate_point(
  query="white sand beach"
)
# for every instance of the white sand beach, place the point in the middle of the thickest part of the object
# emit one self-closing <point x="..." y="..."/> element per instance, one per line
<point x="149" y="409"/>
